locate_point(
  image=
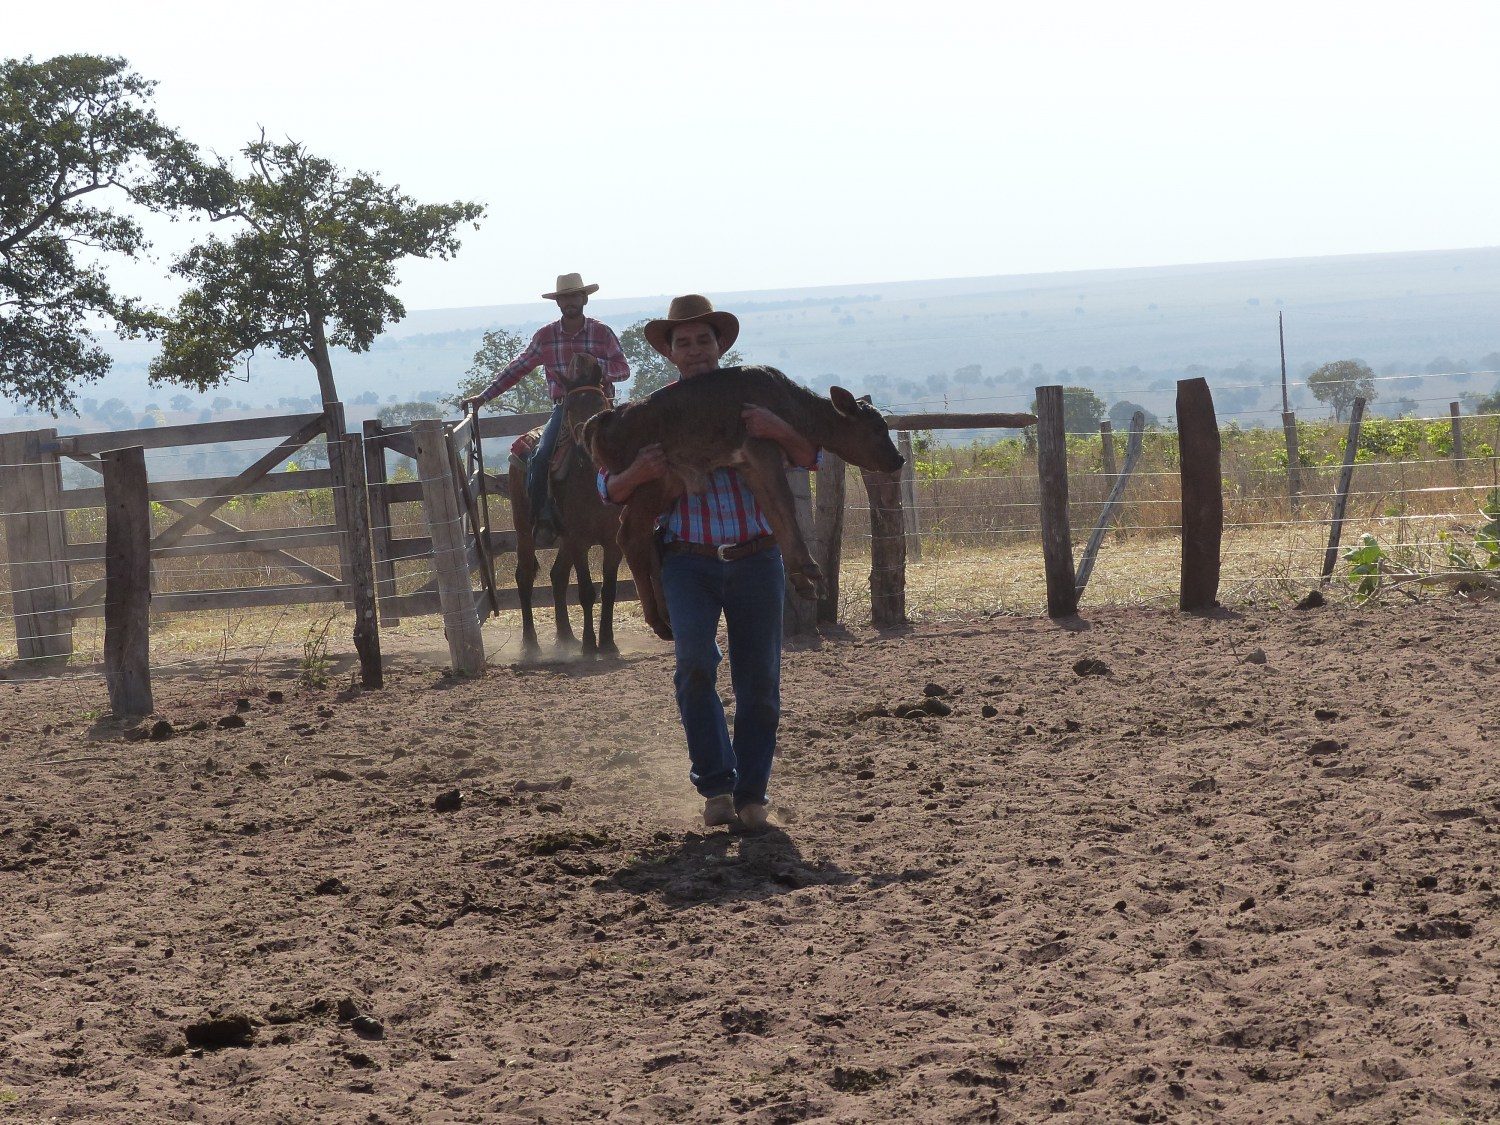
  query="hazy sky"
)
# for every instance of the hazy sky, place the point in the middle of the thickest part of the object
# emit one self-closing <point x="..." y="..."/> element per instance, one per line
<point x="660" y="147"/>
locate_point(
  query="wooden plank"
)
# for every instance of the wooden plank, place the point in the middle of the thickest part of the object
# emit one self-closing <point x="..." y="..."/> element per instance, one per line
<point x="1107" y="449"/>
<point x="127" y="570"/>
<point x="1117" y="493"/>
<point x="338" y="453"/>
<point x="909" y="498"/>
<point x="1458" y="437"/>
<point x="362" y="567"/>
<point x="203" y="488"/>
<point x="445" y="525"/>
<point x="829" y="523"/>
<point x="960" y="421"/>
<point x="1052" y="474"/>
<point x="799" y="615"/>
<point x="227" y="543"/>
<point x="1201" y="471"/>
<point x="887" y="549"/>
<point x="479" y="546"/>
<point x="380" y="518"/>
<point x="246" y="597"/>
<point x="192" y="433"/>
<point x="1341" y="497"/>
<point x="420" y="546"/>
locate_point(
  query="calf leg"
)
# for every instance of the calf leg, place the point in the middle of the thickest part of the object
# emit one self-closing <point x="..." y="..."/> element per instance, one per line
<point x="764" y="470"/>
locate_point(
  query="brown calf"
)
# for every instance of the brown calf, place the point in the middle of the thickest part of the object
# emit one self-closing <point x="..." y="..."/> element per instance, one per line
<point x="697" y="423"/>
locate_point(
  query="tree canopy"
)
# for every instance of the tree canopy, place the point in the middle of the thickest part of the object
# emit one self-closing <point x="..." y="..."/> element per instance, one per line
<point x="1339" y="383"/>
<point x="78" y="132"/>
<point x="312" y="267"/>
<point x="1121" y="413"/>
<point x="498" y="348"/>
<point x="649" y="369"/>
<point x="1083" y="410"/>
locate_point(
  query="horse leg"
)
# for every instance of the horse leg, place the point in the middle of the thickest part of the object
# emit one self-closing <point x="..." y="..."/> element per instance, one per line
<point x="586" y="600"/>
<point x="560" y="568"/>
<point x="611" y="568"/>
<point x="525" y="561"/>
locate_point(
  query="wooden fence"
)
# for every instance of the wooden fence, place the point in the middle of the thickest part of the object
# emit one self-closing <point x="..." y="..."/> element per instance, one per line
<point x="369" y="544"/>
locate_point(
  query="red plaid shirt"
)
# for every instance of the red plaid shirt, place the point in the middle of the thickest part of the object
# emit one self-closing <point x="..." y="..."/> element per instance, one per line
<point x="553" y="349"/>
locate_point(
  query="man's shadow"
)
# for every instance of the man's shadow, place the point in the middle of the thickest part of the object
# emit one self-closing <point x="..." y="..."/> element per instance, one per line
<point x="727" y="867"/>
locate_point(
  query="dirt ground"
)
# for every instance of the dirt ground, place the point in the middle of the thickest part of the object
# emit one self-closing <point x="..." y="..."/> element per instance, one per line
<point x="1241" y="867"/>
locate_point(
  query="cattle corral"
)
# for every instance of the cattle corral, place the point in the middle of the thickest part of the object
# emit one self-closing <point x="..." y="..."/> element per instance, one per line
<point x="1134" y="864"/>
<point x="1244" y="869"/>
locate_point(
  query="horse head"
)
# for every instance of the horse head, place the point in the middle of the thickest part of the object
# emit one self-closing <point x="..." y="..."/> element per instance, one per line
<point x="586" y="394"/>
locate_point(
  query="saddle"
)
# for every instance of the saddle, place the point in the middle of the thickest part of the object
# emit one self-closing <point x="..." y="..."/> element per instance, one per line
<point x="562" y="462"/>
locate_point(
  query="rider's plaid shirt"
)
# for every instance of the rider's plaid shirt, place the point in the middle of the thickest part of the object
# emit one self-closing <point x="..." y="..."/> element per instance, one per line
<point x="553" y="350"/>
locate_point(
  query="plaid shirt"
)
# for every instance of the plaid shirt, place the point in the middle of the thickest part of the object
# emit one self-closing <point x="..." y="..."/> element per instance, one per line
<point x="554" y="350"/>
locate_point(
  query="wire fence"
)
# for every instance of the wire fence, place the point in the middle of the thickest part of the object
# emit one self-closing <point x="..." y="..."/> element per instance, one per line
<point x="975" y="546"/>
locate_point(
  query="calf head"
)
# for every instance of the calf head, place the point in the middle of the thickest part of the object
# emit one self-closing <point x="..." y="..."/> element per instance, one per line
<point x="861" y="435"/>
<point x="593" y="435"/>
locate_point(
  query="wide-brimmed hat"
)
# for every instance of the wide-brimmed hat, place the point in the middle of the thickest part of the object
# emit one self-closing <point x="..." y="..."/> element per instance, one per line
<point x="691" y="308"/>
<point x="570" y="283"/>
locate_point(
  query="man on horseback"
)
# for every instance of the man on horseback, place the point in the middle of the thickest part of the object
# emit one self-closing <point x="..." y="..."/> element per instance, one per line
<point x="553" y="348"/>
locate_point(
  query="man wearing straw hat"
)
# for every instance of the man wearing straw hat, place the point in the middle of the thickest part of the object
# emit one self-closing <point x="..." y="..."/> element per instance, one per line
<point x="719" y="560"/>
<point x="553" y="348"/>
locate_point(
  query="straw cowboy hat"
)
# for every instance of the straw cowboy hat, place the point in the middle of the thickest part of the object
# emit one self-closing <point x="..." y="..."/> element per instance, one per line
<point x="691" y="309"/>
<point x="570" y="283"/>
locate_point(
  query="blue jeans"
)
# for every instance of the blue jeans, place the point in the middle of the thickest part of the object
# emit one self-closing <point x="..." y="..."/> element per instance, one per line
<point x="537" y="467"/>
<point x="748" y="594"/>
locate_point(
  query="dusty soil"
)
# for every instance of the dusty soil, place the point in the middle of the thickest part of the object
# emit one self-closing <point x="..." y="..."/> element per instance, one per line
<point x="1242" y="867"/>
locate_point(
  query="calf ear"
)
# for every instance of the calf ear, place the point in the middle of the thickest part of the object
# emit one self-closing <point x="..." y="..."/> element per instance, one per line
<point x="843" y="401"/>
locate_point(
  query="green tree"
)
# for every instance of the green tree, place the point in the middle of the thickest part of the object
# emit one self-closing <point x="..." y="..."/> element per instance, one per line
<point x="312" y="268"/>
<point x="649" y="369"/>
<point x="496" y="350"/>
<point x="1339" y="383"/>
<point x="181" y="403"/>
<point x="1121" y="412"/>
<point x="405" y="413"/>
<point x="77" y="132"/>
<point x="1083" y="410"/>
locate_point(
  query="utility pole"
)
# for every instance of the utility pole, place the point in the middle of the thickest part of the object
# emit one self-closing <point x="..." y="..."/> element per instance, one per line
<point x="1281" y="331"/>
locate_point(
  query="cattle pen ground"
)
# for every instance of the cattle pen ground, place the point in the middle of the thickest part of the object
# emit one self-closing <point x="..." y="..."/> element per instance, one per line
<point x="1136" y="865"/>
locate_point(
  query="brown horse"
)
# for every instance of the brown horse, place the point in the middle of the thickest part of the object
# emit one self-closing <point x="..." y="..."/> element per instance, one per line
<point x="585" y="520"/>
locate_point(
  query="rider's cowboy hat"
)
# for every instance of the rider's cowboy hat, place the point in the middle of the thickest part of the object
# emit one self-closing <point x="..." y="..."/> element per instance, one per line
<point x="691" y="309"/>
<point x="570" y="283"/>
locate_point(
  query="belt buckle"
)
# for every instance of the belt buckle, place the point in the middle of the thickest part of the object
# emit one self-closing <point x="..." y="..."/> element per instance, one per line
<point x="722" y="547"/>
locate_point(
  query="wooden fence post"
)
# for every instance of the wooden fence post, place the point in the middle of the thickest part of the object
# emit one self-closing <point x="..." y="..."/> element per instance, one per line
<point x="800" y="615"/>
<point x="36" y="539"/>
<point x="1293" y="458"/>
<point x="910" y="527"/>
<point x="1341" y="498"/>
<point x="449" y="547"/>
<point x="1458" y="438"/>
<point x="340" y="471"/>
<point x="1107" y="451"/>
<point x="380" y="520"/>
<point x="1116" y="494"/>
<point x="1202" y="495"/>
<point x="362" y="567"/>
<point x="829" y="530"/>
<point x="127" y="582"/>
<point x="1052" y="475"/>
<point x="887" y="549"/>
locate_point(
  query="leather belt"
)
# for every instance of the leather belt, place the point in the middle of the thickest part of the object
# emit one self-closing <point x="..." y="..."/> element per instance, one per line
<point x="724" y="552"/>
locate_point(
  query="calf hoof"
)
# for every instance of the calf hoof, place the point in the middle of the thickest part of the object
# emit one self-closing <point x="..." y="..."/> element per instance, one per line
<point x="808" y="581"/>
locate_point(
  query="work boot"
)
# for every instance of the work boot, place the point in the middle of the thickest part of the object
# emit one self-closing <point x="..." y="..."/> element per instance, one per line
<point x="755" y="817"/>
<point x="718" y="810"/>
